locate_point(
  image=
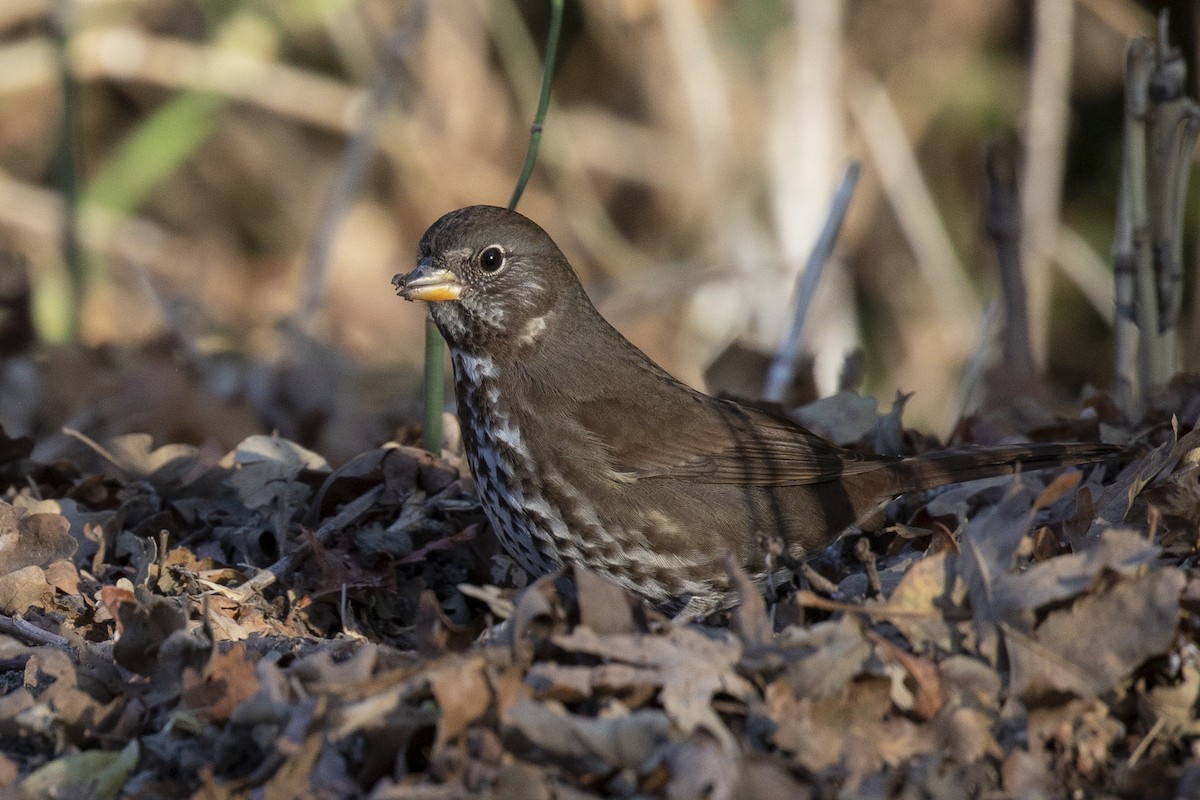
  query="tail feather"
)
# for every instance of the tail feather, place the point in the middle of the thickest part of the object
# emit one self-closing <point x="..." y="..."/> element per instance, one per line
<point x="968" y="464"/>
<point x="931" y="470"/>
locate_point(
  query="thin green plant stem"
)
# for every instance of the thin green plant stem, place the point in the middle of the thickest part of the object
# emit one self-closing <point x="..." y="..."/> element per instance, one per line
<point x="435" y="347"/>
<point x="435" y="387"/>
<point x="535" y="131"/>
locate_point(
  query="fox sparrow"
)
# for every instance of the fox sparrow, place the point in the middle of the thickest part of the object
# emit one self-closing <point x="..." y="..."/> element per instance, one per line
<point x="584" y="451"/>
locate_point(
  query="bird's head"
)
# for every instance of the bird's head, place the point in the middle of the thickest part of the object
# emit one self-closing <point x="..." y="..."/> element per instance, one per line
<point x="491" y="277"/>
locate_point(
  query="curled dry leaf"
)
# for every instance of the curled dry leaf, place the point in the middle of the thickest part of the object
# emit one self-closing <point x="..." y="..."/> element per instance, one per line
<point x="926" y="701"/>
<point x="228" y="679"/>
<point x="544" y="734"/>
<point x="32" y="539"/>
<point x="23" y="589"/>
<point x="144" y="623"/>
<point x="1101" y="638"/>
<point x="691" y="668"/>
<point x="844" y="418"/>
<point x="604" y="606"/>
<point x="928" y="596"/>
<point x="463" y="695"/>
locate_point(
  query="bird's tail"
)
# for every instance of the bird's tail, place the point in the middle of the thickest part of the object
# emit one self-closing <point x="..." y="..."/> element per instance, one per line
<point x="968" y="464"/>
<point x="931" y="470"/>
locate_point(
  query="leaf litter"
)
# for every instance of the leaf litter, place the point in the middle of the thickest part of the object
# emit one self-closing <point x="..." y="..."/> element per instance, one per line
<point x="178" y="623"/>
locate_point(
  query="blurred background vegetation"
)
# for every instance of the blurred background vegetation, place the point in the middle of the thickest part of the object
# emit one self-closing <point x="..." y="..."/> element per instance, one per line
<point x="202" y="202"/>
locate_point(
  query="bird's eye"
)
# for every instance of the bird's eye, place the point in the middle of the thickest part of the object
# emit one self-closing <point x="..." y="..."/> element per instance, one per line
<point x="491" y="259"/>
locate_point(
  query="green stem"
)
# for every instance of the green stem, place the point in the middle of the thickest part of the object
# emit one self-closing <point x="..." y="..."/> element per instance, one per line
<point x="535" y="132"/>
<point x="434" y="388"/>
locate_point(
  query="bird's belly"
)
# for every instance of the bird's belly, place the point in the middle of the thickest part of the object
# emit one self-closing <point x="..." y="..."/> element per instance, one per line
<point x="544" y="520"/>
<point x="547" y="508"/>
<point x="540" y="517"/>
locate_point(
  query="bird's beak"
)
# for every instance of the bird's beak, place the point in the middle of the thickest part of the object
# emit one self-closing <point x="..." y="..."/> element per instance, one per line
<point x="427" y="283"/>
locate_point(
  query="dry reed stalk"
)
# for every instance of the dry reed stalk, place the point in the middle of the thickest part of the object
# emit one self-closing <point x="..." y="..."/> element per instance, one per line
<point x="1047" y="114"/>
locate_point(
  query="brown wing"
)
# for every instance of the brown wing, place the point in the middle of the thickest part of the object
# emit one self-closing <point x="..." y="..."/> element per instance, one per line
<point x="716" y="441"/>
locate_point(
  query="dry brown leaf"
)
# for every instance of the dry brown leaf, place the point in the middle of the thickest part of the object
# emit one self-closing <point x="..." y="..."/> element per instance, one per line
<point x="1161" y="463"/>
<point x="823" y="659"/>
<point x="750" y="620"/>
<point x="1026" y="773"/>
<point x="929" y="592"/>
<point x="692" y="668"/>
<point x="571" y="684"/>
<point x="509" y="687"/>
<point x="32" y="539"/>
<point x="1037" y="671"/>
<point x="1106" y="635"/>
<point x="1119" y="551"/>
<point x="267" y="470"/>
<point x="70" y="695"/>
<point x="855" y="730"/>
<point x="24" y="588"/>
<point x="224" y="627"/>
<point x="955" y="501"/>
<point x="463" y="695"/>
<point x="134" y="454"/>
<point x="761" y="779"/>
<point x="63" y="576"/>
<point x="321" y="671"/>
<point x="989" y="548"/>
<point x="538" y="611"/>
<point x="967" y="735"/>
<point x="1077" y="735"/>
<point x="518" y="781"/>
<point x="228" y="679"/>
<point x="1057" y="489"/>
<point x="969" y="682"/>
<point x="539" y="733"/>
<point x="928" y="698"/>
<point x="701" y="767"/>
<point x="1173" y="704"/>
<point x="144" y="622"/>
<point x="1003" y="597"/>
<point x="296" y="775"/>
<point x="604" y="606"/>
<point x="844" y="418"/>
